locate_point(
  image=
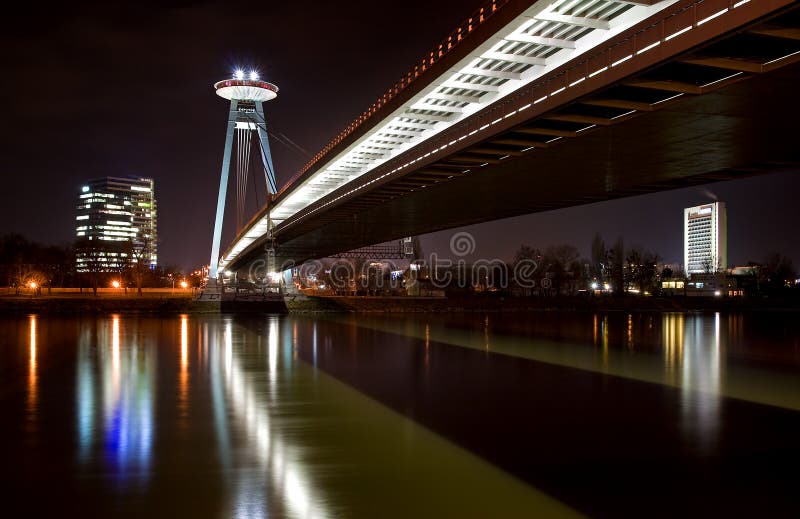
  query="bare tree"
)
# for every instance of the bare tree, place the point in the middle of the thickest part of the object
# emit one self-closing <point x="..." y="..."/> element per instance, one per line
<point x="599" y="258"/>
<point x="140" y="253"/>
<point x="616" y="258"/>
<point x="88" y="262"/>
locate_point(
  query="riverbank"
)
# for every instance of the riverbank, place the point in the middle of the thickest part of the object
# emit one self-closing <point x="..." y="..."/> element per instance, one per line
<point x="165" y="303"/>
<point x="367" y="304"/>
<point x="104" y="304"/>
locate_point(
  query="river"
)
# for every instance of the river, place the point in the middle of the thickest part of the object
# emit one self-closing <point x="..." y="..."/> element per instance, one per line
<point x="550" y="414"/>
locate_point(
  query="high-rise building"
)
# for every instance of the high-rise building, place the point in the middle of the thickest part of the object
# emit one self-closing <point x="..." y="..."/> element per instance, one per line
<point x="705" y="238"/>
<point x="116" y="224"/>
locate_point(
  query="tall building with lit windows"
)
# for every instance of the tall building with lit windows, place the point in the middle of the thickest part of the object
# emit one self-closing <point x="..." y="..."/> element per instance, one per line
<point x="705" y="238"/>
<point x="116" y="224"/>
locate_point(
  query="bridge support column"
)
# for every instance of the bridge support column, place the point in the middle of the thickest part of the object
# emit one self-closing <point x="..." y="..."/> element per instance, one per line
<point x="223" y="190"/>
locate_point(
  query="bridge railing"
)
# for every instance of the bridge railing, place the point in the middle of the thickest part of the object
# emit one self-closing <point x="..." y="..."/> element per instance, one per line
<point x="466" y="27"/>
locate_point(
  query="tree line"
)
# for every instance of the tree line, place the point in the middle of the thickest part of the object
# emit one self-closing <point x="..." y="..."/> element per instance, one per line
<point x="25" y="263"/>
<point x="621" y="269"/>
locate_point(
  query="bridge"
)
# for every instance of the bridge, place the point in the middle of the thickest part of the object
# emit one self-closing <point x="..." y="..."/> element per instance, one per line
<point x="536" y="105"/>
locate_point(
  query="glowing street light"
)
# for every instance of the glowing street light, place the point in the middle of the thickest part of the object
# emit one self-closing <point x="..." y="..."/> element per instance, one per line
<point x="32" y="285"/>
<point x="115" y="284"/>
<point x="184" y="284"/>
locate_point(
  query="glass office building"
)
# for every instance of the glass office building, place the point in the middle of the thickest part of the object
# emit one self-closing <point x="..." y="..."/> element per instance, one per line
<point x="116" y="224"/>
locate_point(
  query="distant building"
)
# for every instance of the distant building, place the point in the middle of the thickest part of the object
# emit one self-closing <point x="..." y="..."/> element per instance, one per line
<point x="705" y="238"/>
<point x="116" y="224"/>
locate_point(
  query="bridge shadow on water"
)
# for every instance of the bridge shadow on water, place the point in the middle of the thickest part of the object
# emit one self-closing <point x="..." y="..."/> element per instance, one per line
<point x="609" y="446"/>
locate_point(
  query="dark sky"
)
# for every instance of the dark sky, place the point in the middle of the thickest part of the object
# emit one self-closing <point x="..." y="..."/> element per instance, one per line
<point x="91" y="90"/>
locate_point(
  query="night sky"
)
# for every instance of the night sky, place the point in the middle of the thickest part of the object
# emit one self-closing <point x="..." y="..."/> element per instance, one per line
<point x="105" y="90"/>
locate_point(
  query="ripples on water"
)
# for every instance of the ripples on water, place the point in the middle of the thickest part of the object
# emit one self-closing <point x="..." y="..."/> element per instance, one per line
<point x="518" y="415"/>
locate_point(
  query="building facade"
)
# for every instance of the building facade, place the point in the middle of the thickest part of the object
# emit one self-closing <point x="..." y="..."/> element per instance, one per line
<point x="116" y="224"/>
<point x="705" y="238"/>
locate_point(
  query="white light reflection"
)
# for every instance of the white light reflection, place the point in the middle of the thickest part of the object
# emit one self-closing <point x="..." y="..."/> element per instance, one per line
<point x="314" y="343"/>
<point x="250" y="407"/>
<point x="115" y="347"/>
<point x="272" y="345"/>
<point x="695" y="363"/>
<point x="85" y="393"/>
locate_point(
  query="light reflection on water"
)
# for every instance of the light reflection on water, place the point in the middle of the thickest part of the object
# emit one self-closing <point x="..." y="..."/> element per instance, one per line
<point x="692" y="361"/>
<point x="183" y="375"/>
<point x="277" y="459"/>
<point x="33" y="390"/>
<point x="120" y="373"/>
<point x="693" y="354"/>
<point x="283" y="417"/>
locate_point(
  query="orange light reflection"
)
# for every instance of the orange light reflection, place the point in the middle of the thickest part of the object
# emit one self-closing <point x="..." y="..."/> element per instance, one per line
<point x="183" y="388"/>
<point x="33" y="390"/>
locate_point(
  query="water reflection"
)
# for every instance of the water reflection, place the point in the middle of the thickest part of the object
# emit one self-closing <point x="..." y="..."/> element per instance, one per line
<point x="85" y="393"/>
<point x="33" y="389"/>
<point x="672" y="326"/>
<point x="693" y="352"/>
<point x="279" y="462"/>
<point x="183" y="375"/>
<point x="692" y="362"/>
<point x="486" y="333"/>
<point x="600" y="336"/>
<point x="427" y="348"/>
<point x="124" y="381"/>
<point x="629" y="335"/>
<point x="390" y="421"/>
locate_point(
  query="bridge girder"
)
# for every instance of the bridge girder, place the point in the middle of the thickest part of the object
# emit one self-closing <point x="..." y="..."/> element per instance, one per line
<point x="663" y="100"/>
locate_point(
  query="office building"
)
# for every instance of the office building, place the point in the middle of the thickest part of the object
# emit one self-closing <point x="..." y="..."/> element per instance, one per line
<point x="116" y="224"/>
<point x="705" y="238"/>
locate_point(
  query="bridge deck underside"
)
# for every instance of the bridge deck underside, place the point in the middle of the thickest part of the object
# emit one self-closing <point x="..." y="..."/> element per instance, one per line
<point x="722" y="112"/>
<point x="744" y="129"/>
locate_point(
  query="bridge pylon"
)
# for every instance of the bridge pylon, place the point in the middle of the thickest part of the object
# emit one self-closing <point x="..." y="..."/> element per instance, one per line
<point x="246" y="122"/>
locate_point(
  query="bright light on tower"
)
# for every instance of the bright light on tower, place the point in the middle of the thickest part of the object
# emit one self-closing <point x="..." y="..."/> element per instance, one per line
<point x="239" y="74"/>
<point x="253" y="75"/>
